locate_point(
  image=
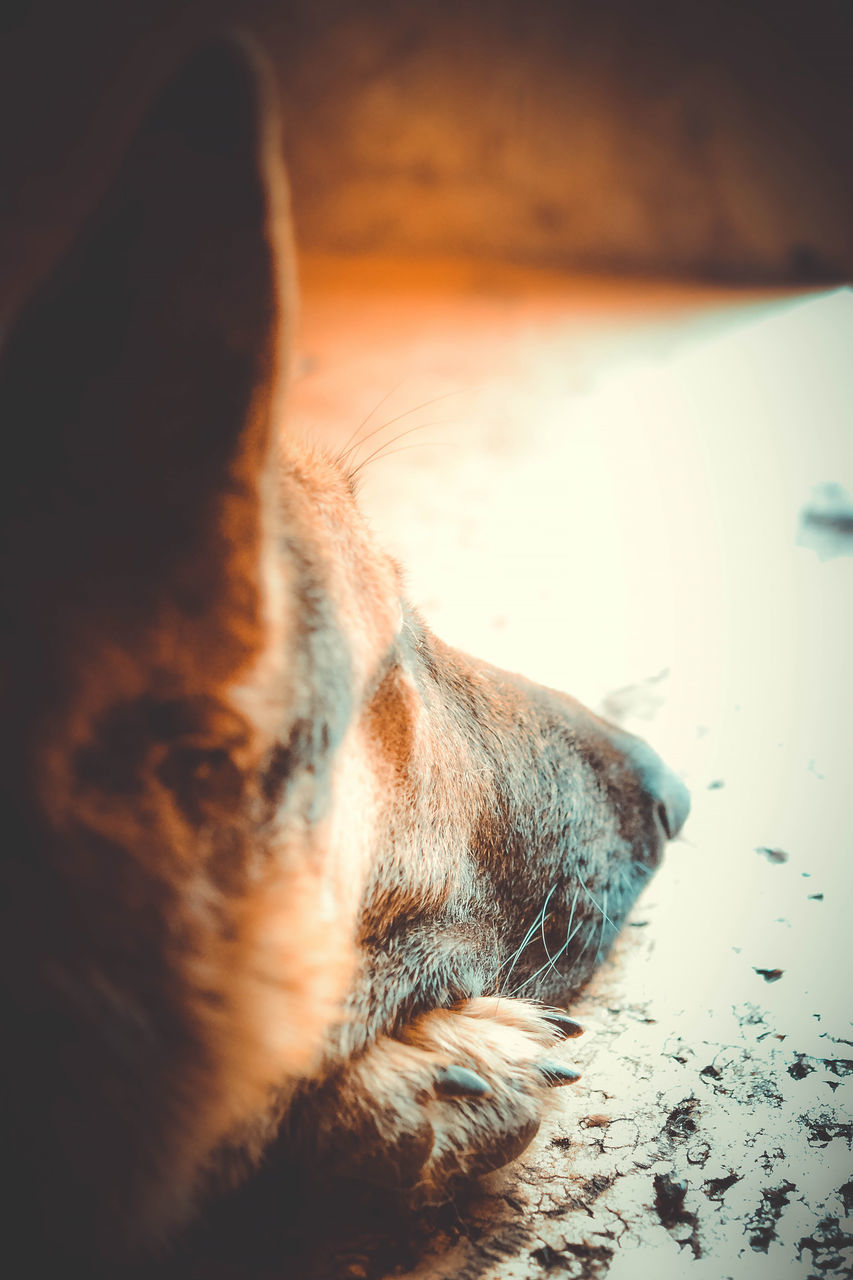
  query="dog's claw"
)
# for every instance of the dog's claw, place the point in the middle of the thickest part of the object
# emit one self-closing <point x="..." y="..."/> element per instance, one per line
<point x="556" y="1075"/>
<point x="561" y="1022"/>
<point x="458" y="1082"/>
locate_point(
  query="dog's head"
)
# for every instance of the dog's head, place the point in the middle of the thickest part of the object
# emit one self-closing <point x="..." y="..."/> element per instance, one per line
<point x="239" y="777"/>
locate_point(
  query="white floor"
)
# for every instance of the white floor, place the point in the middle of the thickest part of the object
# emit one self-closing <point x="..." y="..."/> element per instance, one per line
<point x="611" y="501"/>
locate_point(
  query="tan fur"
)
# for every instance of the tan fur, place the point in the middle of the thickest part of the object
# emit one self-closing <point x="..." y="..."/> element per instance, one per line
<point x="277" y="860"/>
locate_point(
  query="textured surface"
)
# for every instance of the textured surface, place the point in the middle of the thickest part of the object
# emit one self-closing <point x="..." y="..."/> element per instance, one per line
<point x="705" y="140"/>
<point x="708" y="139"/>
<point x="622" y="497"/>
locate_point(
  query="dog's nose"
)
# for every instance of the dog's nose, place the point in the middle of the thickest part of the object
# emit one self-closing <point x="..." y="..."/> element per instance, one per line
<point x="668" y="792"/>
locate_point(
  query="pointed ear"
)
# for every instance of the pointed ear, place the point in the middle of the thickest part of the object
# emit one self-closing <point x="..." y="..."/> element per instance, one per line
<point x="138" y="385"/>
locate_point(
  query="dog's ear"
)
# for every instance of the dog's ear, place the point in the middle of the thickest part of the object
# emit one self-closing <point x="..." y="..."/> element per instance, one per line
<point x="137" y="389"/>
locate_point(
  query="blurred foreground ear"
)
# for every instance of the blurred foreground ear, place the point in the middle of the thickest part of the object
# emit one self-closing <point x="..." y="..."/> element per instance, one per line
<point x="137" y="387"/>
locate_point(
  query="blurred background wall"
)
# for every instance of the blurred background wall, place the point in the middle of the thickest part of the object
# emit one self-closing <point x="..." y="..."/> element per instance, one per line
<point x="706" y="140"/>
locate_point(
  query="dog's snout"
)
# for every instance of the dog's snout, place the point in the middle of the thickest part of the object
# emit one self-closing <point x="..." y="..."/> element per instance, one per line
<point x="668" y="793"/>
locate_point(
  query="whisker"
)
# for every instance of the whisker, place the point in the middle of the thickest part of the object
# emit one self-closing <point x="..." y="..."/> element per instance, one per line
<point x="547" y="967"/>
<point x="553" y="959"/>
<point x="540" y="917"/>
<point x="513" y="959"/>
<point x="383" y="426"/>
<point x="572" y="912"/>
<point x="604" y="921"/>
<point x="569" y="935"/>
<point x="401" y="435"/>
<point x="542" y="925"/>
<point x="597" y="906"/>
<point x="589" y="937"/>
<point x="353" y="440"/>
<point x="515" y="954"/>
<point x="358" y="443"/>
<point x="385" y="452"/>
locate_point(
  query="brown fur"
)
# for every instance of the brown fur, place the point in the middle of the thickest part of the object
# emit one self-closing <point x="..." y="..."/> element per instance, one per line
<point x="274" y="857"/>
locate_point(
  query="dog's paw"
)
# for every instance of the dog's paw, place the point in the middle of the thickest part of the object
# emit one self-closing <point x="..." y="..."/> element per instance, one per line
<point x="458" y="1093"/>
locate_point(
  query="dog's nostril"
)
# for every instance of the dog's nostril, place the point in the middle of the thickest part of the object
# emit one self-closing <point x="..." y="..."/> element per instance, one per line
<point x="666" y="820"/>
<point x="673" y="802"/>
<point x="669" y="795"/>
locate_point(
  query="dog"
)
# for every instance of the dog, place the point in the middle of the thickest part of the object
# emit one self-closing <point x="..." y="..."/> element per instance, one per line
<point x="278" y="864"/>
